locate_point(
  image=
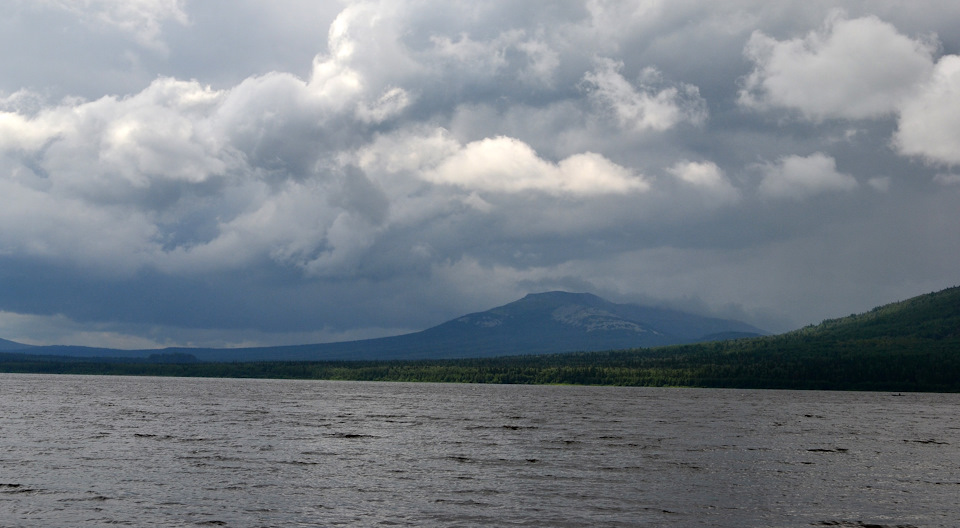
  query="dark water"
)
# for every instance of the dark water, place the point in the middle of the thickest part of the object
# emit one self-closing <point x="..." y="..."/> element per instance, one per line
<point x="104" y="451"/>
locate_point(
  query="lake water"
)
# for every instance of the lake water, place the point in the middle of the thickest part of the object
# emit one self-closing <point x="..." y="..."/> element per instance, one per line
<point x="98" y="451"/>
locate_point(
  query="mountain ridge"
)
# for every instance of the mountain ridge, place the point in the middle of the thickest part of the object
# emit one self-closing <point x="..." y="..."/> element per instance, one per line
<point x="538" y="323"/>
<point x="6" y="345"/>
<point x="934" y="315"/>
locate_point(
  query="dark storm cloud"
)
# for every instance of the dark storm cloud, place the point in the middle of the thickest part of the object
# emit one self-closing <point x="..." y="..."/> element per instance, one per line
<point x="226" y="173"/>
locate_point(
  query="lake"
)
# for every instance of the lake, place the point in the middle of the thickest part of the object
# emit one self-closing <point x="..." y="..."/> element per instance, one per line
<point x="146" y="451"/>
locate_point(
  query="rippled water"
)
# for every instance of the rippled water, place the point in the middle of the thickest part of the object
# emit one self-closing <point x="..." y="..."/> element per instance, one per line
<point x="94" y="451"/>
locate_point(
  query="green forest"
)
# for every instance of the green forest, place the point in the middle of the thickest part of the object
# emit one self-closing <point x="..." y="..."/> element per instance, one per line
<point x="912" y="345"/>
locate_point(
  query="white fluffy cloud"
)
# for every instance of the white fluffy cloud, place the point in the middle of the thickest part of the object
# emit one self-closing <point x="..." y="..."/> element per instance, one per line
<point x="799" y="177"/>
<point x="929" y="123"/>
<point x="850" y="68"/>
<point x="197" y="179"/>
<point x="707" y="179"/>
<point x="862" y="68"/>
<point x="505" y="164"/>
<point x="179" y="176"/>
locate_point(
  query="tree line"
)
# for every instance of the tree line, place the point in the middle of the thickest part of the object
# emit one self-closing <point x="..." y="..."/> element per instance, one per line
<point x="797" y="360"/>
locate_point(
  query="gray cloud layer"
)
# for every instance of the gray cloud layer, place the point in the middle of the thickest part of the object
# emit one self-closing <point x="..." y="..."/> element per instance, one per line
<point x="226" y="173"/>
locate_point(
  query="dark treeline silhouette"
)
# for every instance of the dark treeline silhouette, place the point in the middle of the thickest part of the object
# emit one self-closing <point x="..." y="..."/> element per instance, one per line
<point x="890" y="364"/>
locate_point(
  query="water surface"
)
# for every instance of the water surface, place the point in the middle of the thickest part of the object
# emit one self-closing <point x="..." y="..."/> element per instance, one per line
<point x="139" y="451"/>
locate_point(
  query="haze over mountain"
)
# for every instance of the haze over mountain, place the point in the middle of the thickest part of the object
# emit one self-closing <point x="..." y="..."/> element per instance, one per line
<point x="541" y="323"/>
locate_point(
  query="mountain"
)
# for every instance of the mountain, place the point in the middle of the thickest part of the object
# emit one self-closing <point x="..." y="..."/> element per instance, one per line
<point x="565" y="322"/>
<point x="541" y="323"/>
<point x="6" y="345"/>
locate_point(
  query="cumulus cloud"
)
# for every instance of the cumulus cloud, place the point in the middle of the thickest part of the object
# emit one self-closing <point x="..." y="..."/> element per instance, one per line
<point x="929" y="122"/>
<point x="112" y="149"/>
<point x="799" y="177"/>
<point x="862" y="68"/>
<point x="849" y="68"/>
<point x="180" y="175"/>
<point x="647" y="106"/>
<point x="198" y="179"/>
<point x="706" y="178"/>
<point x="505" y="164"/>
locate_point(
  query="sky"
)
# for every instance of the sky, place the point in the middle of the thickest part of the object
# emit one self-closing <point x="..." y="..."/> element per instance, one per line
<point x="235" y="172"/>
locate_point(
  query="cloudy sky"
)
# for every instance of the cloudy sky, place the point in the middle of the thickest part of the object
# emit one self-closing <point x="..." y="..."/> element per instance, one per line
<point x="238" y="172"/>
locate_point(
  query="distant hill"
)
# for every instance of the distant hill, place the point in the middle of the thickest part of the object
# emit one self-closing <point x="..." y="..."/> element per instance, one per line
<point x="933" y="316"/>
<point x="541" y="323"/>
<point x="6" y="345"/>
<point x="906" y="345"/>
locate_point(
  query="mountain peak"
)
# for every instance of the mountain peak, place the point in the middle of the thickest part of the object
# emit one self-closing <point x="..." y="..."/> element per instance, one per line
<point x="583" y="321"/>
<point x="561" y="297"/>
